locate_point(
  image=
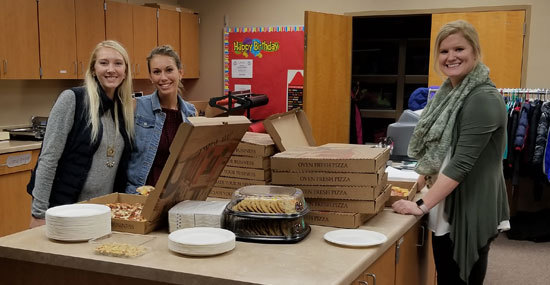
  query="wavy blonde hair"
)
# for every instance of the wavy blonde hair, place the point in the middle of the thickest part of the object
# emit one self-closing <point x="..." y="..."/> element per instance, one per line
<point x="124" y="92"/>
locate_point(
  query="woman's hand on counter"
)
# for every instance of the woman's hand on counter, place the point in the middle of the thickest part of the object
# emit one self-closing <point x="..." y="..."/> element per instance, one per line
<point x="406" y="207"/>
<point x="36" y="222"/>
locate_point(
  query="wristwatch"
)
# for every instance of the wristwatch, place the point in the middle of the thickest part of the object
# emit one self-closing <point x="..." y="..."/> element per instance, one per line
<point x="421" y="206"/>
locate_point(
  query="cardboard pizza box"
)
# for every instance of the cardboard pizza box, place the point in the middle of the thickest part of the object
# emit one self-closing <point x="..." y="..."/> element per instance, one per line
<point x="328" y="178"/>
<point x="412" y="186"/>
<point x="331" y="157"/>
<point x="235" y="183"/>
<point x="350" y="206"/>
<point x="339" y="219"/>
<point x="255" y="145"/>
<point x="345" y="192"/>
<point x="199" y="152"/>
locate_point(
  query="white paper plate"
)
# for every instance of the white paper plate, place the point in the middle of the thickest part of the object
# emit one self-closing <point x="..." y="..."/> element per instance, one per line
<point x="355" y="237"/>
<point x="201" y="241"/>
<point x="78" y="222"/>
<point x="77" y="210"/>
<point x="201" y="236"/>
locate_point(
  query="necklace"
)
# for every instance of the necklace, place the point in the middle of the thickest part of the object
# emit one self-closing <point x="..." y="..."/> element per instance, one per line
<point x="111" y="149"/>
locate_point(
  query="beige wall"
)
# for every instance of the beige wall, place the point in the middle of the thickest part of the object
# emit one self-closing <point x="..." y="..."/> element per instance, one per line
<point x="242" y="13"/>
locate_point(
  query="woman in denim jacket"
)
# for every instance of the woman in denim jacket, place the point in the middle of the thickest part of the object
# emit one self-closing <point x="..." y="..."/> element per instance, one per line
<point x="157" y="117"/>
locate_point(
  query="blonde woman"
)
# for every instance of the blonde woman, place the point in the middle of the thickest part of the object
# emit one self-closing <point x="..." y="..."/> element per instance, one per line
<point x="88" y="136"/>
<point x="459" y="143"/>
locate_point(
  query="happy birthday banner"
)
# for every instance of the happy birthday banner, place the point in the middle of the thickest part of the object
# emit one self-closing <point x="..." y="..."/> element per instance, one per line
<point x="262" y="59"/>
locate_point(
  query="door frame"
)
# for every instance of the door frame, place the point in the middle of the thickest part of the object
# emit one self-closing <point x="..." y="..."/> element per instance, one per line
<point x="526" y="29"/>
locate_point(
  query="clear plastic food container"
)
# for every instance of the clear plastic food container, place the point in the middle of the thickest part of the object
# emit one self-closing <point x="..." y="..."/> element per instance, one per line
<point x="267" y="213"/>
<point x="266" y="201"/>
<point x="122" y="245"/>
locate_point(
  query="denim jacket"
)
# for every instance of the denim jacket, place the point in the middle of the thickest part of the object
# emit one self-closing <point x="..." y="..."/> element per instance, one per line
<point x="149" y="120"/>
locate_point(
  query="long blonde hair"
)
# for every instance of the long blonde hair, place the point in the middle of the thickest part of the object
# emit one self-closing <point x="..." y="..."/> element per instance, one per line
<point x="124" y="92"/>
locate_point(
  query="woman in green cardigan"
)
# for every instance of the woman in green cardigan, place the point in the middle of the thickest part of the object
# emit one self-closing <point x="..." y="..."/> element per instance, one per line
<point x="459" y="143"/>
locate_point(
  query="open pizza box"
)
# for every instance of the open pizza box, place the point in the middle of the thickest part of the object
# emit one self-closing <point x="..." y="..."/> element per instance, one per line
<point x="198" y="154"/>
<point x="412" y="188"/>
<point x="300" y="160"/>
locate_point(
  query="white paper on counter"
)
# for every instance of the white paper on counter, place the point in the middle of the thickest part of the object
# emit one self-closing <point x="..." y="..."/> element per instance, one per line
<point x="395" y="174"/>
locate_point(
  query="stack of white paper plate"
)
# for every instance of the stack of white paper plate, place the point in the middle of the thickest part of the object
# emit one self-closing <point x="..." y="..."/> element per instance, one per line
<point x="78" y="222"/>
<point x="201" y="241"/>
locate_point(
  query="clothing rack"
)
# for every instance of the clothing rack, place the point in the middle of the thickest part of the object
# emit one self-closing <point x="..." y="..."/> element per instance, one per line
<point x="526" y="93"/>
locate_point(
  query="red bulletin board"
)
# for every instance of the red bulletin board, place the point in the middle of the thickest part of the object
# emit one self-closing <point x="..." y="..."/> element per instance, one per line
<point x="273" y="51"/>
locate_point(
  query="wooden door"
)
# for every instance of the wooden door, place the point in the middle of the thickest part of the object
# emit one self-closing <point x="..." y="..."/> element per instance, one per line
<point x="501" y="38"/>
<point x="407" y="263"/>
<point x="381" y="272"/>
<point x="189" y="39"/>
<point x="90" y="30"/>
<point x="169" y="29"/>
<point x="145" y="38"/>
<point x="57" y="39"/>
<point x="19" y="36"/>
<point x="119" y="26"/>
<point x="327" y="76"/>
<point x="15" y="205"/>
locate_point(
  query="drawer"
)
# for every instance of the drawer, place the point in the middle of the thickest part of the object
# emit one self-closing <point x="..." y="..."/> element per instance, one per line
<point x="18" y="161"/>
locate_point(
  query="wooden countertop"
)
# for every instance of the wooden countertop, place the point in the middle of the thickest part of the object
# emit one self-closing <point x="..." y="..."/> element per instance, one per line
<point x="311" y="261"/>
<point x="15" y="146"/>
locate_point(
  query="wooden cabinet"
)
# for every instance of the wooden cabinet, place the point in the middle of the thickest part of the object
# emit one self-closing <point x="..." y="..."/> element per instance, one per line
<point x="69" y="30"/>
<point x="189" y="39"/>
<point x="145" y="38"/>
<point x="168" y="29"/>
<point x="501" y="36"/>
<point x="327" y="76"/>
<point x="15" y="205"/>
<point x="381" y="272"/>
<point x="90" y="30"/>
<point x="19" y="36"/>
<point x="135" y="27"/>
<point x="119" y="25"/>
<point x="57" y="39"/>
<point x="407" y="262"/>
<point x="407" y="258"/>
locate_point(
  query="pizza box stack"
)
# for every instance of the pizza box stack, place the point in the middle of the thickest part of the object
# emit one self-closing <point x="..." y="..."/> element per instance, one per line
<point x="198" y="154"/>
<point x="344" y="184"/>
<point x="249" y="165"/>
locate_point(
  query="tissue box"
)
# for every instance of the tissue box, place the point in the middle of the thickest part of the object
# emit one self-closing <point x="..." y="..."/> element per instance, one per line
<point x="190" y="213"/>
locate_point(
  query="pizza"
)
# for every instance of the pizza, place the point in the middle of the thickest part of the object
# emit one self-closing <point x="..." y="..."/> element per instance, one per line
<point x="126" y="211"/>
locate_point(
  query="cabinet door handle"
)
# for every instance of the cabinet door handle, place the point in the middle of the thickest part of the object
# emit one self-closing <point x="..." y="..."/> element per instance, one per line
<point x="373" y="278"/>
<point x="81" y="70"/>
<point x="75" y="68"/>
<point x="363" y="282"/>
<point x="423" y="231"/>
<point x="5" y="62"/>
<point x="137" y="64"/>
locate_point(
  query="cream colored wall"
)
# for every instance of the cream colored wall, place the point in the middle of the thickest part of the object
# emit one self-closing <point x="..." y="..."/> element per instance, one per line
<point x="242" y="13"/>
<point x="21" y="99"/>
